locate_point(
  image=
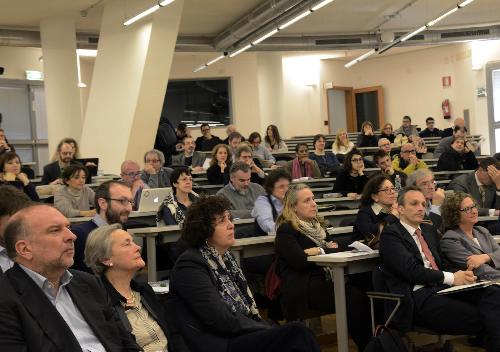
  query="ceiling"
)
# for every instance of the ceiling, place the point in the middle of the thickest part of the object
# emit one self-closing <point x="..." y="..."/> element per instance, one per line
<point x="211" y="17"/>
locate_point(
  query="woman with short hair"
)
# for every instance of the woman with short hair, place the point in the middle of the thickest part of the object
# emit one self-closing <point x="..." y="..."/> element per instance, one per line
<point x="301" y="165"/>
<point x="366" y="138"/>
<point x="458" y="157"/>
<point x="387" y="132"/>
<point x="75" y="198"/>
<point x="214" y="307"/>
<point x="10" y="174"/>
<point x="259" y="151"/>
<point x="327" y="161"/>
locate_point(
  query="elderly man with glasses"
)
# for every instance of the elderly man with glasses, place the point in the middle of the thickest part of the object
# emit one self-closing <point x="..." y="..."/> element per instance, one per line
<point x="131" y="176"/>
<point x="155" y="175"/>
<point x="408" y="162"/>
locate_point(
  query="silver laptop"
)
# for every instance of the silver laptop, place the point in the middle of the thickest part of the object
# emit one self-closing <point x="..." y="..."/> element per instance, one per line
<point x="151" y="198"/>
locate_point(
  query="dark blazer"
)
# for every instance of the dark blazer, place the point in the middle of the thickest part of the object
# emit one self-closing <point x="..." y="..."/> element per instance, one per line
<point x="216" y="177"/>
<point x="467" y="183"/>
<point x="456" y="247"/>
<point x="198" y="159"/>
<point x="345" y="183"/>
<point x="82" y="231"/>
<point x="451" y="160"/>
<point x="295" y="271"/>
<point x="30" y="322"/>
<point x="52" y="172"/>
<point x="428" y="133"/>
<point x="403" y="268"/>
<point x="152" y="304"/>
<point x="206" y="145"/>
<point x="367" y="141"/>
<point x="202" y="317"/>
<point x="367" y="224"/>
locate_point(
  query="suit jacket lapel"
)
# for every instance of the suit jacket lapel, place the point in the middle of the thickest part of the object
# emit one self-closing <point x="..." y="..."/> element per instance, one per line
<point x="409" y="239"/>
<point x="42" y="310"/>
<point x="473" y="187"/>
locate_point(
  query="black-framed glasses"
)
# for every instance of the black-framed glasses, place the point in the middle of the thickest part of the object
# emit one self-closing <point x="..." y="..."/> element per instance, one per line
<point x="122" y="201"/>
<point x="468" y="210"/>
<point x="388" y="190"/>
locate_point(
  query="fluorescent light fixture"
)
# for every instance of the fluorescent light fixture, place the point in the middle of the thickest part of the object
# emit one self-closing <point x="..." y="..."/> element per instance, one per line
<point x="86" y="52"/>
<point x="295" y="19"/>
<point x="321" y="4"/>
<point x="213" y="61"/>
<point x="141" y="15"/>
<point x="239" y="51"/>
<point x="265" y="36"/>
<point x="360" y="58"/>
<point x="464" y="3"/>
<point x="80" y="83"/>
<point x="415" y="32"/>
<point x="388" y="46"/>
<point x="446" y="14"/>
<point x="166" y="2"/>
<point x="202" y="67"/>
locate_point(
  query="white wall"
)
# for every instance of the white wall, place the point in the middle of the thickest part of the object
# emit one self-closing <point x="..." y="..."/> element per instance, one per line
<point x="17" y="60"/>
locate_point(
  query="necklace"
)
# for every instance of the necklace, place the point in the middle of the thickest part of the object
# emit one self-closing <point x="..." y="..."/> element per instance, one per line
<point x="130" y="300"/>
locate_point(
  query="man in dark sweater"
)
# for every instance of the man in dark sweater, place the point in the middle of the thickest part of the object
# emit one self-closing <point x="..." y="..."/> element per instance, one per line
<point x="207" y="142"/>
<point x="430" y="131"/>
<point x="113" y="203"/>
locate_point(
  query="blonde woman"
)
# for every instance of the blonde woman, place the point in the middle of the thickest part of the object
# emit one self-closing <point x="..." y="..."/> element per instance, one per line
<point x="342" y="144"/>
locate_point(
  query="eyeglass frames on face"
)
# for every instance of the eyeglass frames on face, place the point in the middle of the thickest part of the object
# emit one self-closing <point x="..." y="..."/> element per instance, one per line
<point x="388" y="190"/>
<point x="122" y="201"/>
<point x="468" y="210"/>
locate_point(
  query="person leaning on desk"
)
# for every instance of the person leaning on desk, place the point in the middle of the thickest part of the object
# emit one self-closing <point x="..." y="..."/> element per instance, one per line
<point x="306" y="286"/>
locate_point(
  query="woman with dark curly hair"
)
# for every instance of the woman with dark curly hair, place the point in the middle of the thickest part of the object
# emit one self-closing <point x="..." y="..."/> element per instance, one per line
<point x="465" y="246"/>
<point x="11" y="174"/>
<point x="210" y="298"/>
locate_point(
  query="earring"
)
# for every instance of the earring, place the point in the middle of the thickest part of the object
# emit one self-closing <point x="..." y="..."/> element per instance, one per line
<point x="110" y="264"/>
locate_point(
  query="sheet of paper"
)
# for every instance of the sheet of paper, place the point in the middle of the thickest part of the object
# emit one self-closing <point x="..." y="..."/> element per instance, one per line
<point x="361" y="247"/>
<point x="465" y="287"/>
<point x="160" y="287"/>
<point x="347" y="254"/>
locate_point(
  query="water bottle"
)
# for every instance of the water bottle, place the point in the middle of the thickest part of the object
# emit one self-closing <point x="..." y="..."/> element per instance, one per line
<point x="397" y="183"/>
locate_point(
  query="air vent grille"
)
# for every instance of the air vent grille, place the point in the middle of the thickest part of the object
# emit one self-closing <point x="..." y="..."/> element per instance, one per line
<point x="470" y="33"/>
<point x="339" y="41"/>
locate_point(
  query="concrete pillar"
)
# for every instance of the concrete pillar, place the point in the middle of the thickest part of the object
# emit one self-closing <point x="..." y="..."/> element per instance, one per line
<point x="62" y="94"/>
<point x="130" y="78"/>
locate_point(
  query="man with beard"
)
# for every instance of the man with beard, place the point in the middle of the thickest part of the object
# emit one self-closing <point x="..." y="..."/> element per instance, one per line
<point x="113" y="203"/>
<point x="53" y="171"/>
<point x="240" y="191"/>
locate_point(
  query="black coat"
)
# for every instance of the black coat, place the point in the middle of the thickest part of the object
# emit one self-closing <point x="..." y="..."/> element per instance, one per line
<point x="345" y="183"/>
<point x="367" y="224"/>
<point x="52" y="172"/>
<point x="367" y="141"/>
<point x="30" y="322"/>
<point x="204" y="320"/>
<point x="451" y="160"/>
<point x="216" y="177"/>
<point x="295" y="271"/>
<point x="82" y="231"/>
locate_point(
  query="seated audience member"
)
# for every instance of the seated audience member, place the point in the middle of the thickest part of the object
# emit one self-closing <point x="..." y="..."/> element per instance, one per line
<point x="181" y="131"/>
<point x="407" y="160"/>
<point x="174" y="208"/>
<point x="419" y="144"/>
<point x="10" y="174"/>
<point x="385" y="145"/>
<point x="114" y="257"/>
<point x="218" y="172"/>
<point x="342" y="144"/>
<point x="229" y="129"/>
<point x="4" y="144"/>
<point x="209" y="296"/>
<point x="352" y="180"/>
<point x="131" y="176"/>
<point x="189" y="157"/>
<point x="301" y="165"/>
<point x="430" y="130"/>
<point x="75" y="198"/>
<point x="407" y="129"/>
<point x="366" y="138"/>
<point x="45" y="306"/>
<point x="457" y="158"/>
<point x="269" y="206"/>
<point x="240" y="192"/>
<point x="155" y="175"/>
<point x="327" y="161"/>
<point x="466" y="246"/>
<point x="305" y="286"/>
<point x="424" y="180"/>
<point x="273" y="141"/>
<point x="458" y="122"/>
<point x="378" y="209"/>
<point x="53" y="171"/>
<point x="386" y="132"/>
<point x="445" y="143"/>
<point x="207" y="141"/>
<point x="11" y="201"/>
<point x="74" y="145"/>
<point x="113" y="202"/>
<point x="383" y="161"/>
<point x="483" y="185"/>
<point x="259" y="150"/>
<point x="244" y="154"/>
<point x="234" y="141"/>
<point x="411" y="264"/>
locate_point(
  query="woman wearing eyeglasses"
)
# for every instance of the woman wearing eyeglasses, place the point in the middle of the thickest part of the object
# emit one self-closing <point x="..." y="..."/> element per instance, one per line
<point x="387" y="132"/>
<point x="378" y="209"/>
<point x="352" y="180"/>
<point x="458" y="157"/>
<point x="466" y="246"/>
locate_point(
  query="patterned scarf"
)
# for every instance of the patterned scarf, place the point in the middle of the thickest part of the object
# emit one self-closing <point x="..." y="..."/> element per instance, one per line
<point x="297" y="169"/>
<point x="170" y="204"/>
<point x="314" y="231"/>
<point x="230" y="281"/>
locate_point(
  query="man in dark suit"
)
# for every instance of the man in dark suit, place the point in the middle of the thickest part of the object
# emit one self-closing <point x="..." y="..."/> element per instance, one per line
<point x="483" y="185"/>
<point x="411" y="265"/>
<point x="52" y="172"/>
<point x="189" y="157"/>
<point x="113" y="202"/>
<point x="46" y="307"/>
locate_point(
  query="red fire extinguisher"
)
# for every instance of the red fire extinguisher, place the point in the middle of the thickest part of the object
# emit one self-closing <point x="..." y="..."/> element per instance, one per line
<point x="445" y="106"/>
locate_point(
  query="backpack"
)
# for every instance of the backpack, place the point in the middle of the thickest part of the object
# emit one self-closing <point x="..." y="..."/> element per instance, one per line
<point x="386" y="340"/>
